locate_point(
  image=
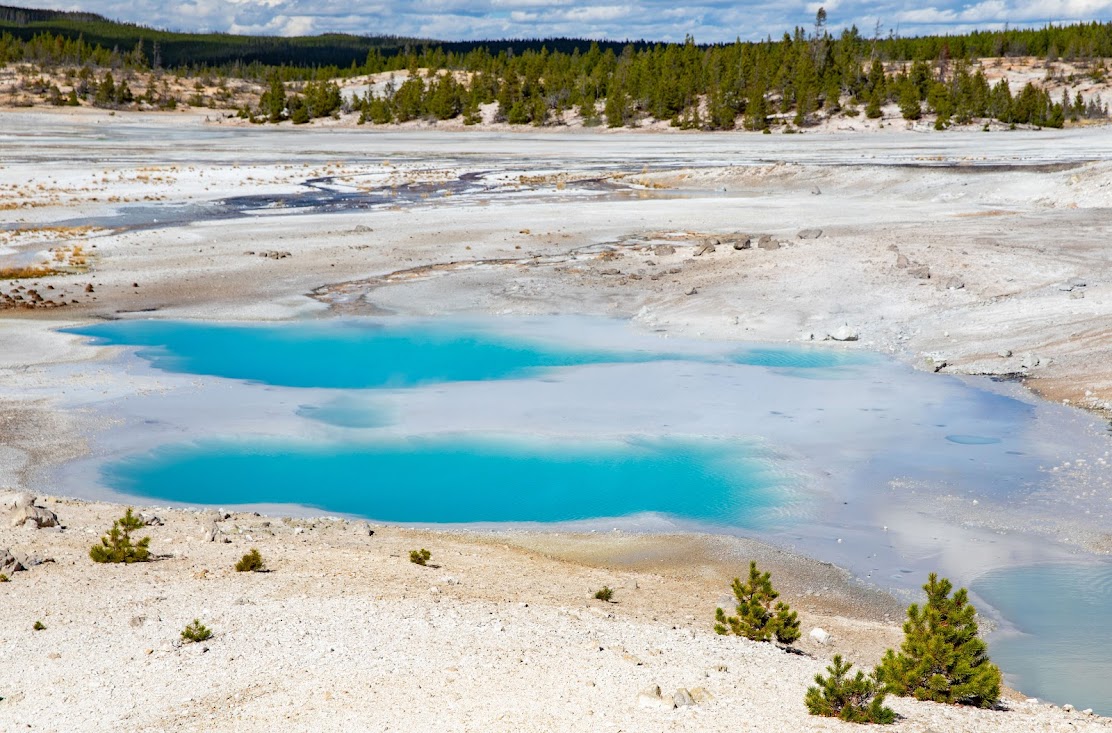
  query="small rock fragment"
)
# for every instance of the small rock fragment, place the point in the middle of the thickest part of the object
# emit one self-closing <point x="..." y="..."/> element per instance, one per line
<point x="809" y="233"/>
<point x="820" y="636"/>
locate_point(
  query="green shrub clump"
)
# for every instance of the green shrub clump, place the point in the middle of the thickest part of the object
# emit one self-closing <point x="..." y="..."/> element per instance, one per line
<point x="942" y="659"/>
<point x="4" y="578"/>
<point x="857" y="699"/>
<point x="39" y="626"/>
<point x="757" y="618"/>
<point x="419" y="557"/>
<point x="116" y="546"/>
<point x="252" y="562"/>
<point x="196" y="631"/>
<point x="605" y="593"/>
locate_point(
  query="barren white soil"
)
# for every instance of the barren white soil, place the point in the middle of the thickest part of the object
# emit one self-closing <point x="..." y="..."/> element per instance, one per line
<point x="345" y="633"/>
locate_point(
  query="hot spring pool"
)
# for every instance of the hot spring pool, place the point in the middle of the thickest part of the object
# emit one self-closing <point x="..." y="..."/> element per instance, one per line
<point x="847" y="457"/>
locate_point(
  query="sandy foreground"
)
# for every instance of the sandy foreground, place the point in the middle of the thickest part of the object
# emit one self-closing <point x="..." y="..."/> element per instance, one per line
<point x="345" y="633"/>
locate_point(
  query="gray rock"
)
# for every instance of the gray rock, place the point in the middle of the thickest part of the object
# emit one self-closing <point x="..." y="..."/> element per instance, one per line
<point x="809" y="234"/>
<point x="1077" y="294"/>
<point x="663" y="250"/>
<point x="741" y="242"/>
<point x="610" y="271"/>
<point x="763" y="240"/>
<point x="210" y="533"/>
<point x="820" y="636"/>
<point x="921" y="272"/>
<point x="954" y="283"/>
<point x="768" y="243"/>
<point x="1029" y="361"/>
<point x="362" y="229"/>
<point x="1004" y="353"/>
<point x="704" y="249"/>
<point x="816" y="191"/>
<point x="1078" y="282"/>
<point x="844" y="333"/>
<point x="1065" y="287"/>
<point x="8" y="563"/>
<point x="692" y="291"/>
<point x="902" y="261"/>
<point x="36" y="517"/>
<point x="682" y="698"/>
<point x="151" y="520"/>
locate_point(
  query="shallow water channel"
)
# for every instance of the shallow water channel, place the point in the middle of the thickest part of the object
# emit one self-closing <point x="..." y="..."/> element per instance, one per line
<point x="589" y="424"/>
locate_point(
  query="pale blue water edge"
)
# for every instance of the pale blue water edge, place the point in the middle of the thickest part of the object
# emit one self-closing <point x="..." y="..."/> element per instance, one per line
<point x="453" y="480"/>
<point x="360" y="355"/>
<point x="1059" y="645"/>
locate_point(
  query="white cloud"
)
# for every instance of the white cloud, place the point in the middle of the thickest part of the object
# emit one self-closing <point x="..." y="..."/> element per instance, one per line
<point x="668" y="20"/>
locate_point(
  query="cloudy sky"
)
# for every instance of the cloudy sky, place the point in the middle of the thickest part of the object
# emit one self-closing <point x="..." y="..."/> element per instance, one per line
<point x="707" y="20"/>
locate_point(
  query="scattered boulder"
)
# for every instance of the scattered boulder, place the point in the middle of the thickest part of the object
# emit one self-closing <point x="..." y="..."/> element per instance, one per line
<point x="701" y="695"/>
<point x="902" y="261"/>
<point x="741" y="241"/>
<point x="954" y="283"/>
<point x="844" y="333"/>
<point x="682" y="698"/>
<point x="820" y="636"/>
<point x="8" y="563"/>
<point x="36" y="516"/>
<point x="768" y="243"/>
<point x="651" y="698"/>
<point x="936" y="363"/>
<point x="1029" y="361"/>
<point x="151" y="520"/>
<point x="809" y="234"/>
<point x="816" y="191"/>
<point x="662" y="250"/>
<point x="362" y="229"/>
<point x="704" y="249"/>
<point x="209" y="534"/>
<point x="692" y="291"/>
<point x="1004" y="353"/>
<point x="921" y="272"/>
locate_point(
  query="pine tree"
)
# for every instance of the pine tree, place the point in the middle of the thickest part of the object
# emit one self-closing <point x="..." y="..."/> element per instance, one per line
<point x="942" y="658"/>
<point x="757" y="618"/>
<point x="910" y="107"/>
<point x="857" y="699"/>
<point x="116" y="546"/>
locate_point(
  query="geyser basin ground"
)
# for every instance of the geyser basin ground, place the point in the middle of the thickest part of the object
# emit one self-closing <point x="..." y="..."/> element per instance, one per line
<point x="856" y="460"/>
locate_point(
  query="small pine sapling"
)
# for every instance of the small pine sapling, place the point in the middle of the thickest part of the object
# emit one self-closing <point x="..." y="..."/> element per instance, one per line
<point x="857" y="699"/>
<point x="116" y="546"/>
<point x="196" y="631"/>
<point x="39" y="626"/>
<point x="420" y="557"/>
<point x="604" y="594"/>
<point x="757" y="618"/>
<point x="942" y="658"/>
<point x="252" y="562"/>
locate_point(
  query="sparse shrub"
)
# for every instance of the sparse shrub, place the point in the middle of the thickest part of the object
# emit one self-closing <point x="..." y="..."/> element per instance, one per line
<point x="857" y="699"/>
<point x="419" y="557"/>
<point x="4" y="578"/>
<point x="252" y="562"/>
<point x="116" y="546"/>
<point x="941" y="657"/>
<point x="39" y="626"/>
<point x="196" y="631"/>
<point x="757" y="618"/>
<point x="605" y="593"/>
